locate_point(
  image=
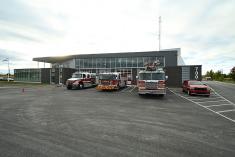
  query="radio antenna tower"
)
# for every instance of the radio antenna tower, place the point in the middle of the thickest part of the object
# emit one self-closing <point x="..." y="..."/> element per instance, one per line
<point x="159" y="35"/>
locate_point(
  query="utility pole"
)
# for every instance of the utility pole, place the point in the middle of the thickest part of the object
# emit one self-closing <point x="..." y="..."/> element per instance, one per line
<point x="8" y="70"/>
<point x="159" y="35"/>
<point x="8" y="75"/>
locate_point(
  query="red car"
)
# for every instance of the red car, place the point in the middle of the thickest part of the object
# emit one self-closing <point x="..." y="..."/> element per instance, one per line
<point x="193" y="87"/>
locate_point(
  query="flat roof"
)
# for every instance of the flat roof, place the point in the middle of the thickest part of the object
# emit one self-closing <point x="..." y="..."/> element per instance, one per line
<point x="102" y="55"/>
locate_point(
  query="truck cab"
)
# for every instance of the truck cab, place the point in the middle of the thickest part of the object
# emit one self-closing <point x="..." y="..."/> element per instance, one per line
<point x="152" y="80"/>
<point x="111" y="81"/>
<point x="81" y="80"/>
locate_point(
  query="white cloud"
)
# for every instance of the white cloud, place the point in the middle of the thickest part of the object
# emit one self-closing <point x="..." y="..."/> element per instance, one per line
<point x="203" y="29"/>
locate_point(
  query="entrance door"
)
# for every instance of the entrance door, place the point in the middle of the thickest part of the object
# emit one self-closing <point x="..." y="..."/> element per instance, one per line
<point x="185" y="73"/>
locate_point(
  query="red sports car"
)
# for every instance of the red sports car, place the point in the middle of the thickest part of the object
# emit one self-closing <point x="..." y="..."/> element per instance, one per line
<point x="193" y="87"/>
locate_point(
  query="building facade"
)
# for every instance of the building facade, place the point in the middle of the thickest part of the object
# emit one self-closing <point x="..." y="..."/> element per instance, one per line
<point x="129" y="64"/>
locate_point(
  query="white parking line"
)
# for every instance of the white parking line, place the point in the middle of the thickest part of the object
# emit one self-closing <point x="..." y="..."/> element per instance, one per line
<point x="132" y="89"/>
<point x="126" y="89"/>
<point x="218" y="105"/>
<point x="206" y="98"/>
<point x="221" y="96"/>
<point x="204" y="106"/>
<point x="209" y="101"/>
<point x="225" y="111"/>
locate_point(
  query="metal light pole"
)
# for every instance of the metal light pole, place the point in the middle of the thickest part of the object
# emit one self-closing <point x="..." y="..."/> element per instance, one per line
<point x="8" y="75"/>
<point x="160" y="20"/>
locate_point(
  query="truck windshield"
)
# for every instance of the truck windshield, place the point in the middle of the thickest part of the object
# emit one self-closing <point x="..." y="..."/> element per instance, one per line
<point x="158" y="76"/>
<point x="195" y="83"/>
<point x="145" y="76"/>
<point x="77" y="76"/>
<point x="152" y="76"/>
<point x="107" y="77"/>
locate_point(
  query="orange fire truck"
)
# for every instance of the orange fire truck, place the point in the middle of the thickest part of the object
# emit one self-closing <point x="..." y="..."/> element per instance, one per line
<point x="111" y="81"/>
<point x="152" y="80"/>
<point x="81" y="80"/>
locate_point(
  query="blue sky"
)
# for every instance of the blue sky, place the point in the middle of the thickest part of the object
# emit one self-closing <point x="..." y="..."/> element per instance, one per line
<point x="204" y="30"/>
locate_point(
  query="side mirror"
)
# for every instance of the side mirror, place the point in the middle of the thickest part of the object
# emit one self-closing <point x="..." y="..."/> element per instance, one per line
<point x="137" y="77"/>
<point x="166" y="77"/>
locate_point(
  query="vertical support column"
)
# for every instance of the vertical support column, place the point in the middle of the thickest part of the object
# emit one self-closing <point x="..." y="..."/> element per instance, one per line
<point x="8" y="71"/>
<point x="160" y="20"/>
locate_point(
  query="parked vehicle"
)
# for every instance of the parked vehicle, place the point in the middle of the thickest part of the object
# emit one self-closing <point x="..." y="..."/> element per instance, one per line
<point x="6" y="79"/>
<point x="194" y="87"/>
<point x="111" y="81"/>
<point x="152" y="80"/>
<point x="10" y="79"/>
<point x="81" y="80"/>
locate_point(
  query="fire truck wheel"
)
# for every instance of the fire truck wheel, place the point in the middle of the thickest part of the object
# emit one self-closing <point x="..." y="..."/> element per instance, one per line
<point x="69" y="87"/>
<point x="189" y="93"/>
<point x="118" y="87"/>
<point x="81" y="86"/>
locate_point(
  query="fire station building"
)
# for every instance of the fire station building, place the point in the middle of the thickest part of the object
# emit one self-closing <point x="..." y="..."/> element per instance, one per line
<point x="128" y="63"/>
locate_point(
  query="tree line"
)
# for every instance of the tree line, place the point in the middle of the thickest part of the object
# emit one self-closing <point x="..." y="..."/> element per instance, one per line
<point x="219" y="76"/>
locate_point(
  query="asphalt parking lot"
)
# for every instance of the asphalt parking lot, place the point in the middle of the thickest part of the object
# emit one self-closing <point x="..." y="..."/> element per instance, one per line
<point x="52" y="121"/>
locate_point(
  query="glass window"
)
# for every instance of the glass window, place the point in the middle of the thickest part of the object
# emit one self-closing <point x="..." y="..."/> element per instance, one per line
<point x="158" y="76"/>
<point x="90" y="62"/>
<point x="81" y="63"/>
<point x="94" y="63"/>
<point x="103" y="63"/>
<point x="112" y="62"/>
<point x="77" y="63"/>
<point x="123" y="62"/>
<point x="85" y="63"/>
<point x="99" y="62"/>
<point x="107" y="76"/>
<point x="134" y="62"/>
<point x="129" y="62"/>
<point x="161" y="60"/>
<point x="152" y="59"/>
<point x="107" y="62"/>
<point x="118" y="62"/>
<point x="146" y="60"/>
<point x="145" y="76"/>
<point x="140" y="62"/>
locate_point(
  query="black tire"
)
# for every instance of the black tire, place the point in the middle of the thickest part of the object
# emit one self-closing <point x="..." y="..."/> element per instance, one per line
<point x="69" y="87"/>
<point x="189" y="93"/>
<point x="118" y="87"/>
<point x="81" y="86"/>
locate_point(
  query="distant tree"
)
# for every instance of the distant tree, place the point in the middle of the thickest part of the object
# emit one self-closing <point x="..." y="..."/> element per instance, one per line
<point x="218" y="76"/>
<point x="232" y="73"/>
<point x="210" y="74"/>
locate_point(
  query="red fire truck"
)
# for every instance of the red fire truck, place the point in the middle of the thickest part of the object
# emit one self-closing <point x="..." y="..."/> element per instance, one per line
<point x="81" y="80"/>
<point x="111" y="81"/>
<point x="152" y="80"/>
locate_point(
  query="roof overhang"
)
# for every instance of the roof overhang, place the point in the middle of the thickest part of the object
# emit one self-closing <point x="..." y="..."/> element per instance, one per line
<point x="60" y="59"/>
<point x="53" y="59"/>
